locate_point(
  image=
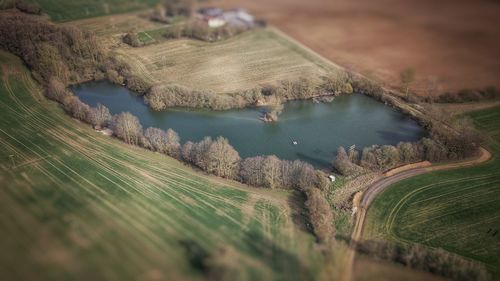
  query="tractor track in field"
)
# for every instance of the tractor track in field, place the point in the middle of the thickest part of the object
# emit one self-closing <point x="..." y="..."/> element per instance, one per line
<point x="382" y="184"/>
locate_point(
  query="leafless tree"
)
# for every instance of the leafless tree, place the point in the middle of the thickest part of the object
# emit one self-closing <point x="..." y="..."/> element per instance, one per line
<point x="223" y="159"/>
<point x="99" y="116"/>
<point x="127" y="127"/>
<point x="56" y="90"/>
<point x="407" y="77"/>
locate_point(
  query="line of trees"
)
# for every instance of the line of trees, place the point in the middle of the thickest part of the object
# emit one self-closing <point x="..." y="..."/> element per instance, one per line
<point x="446" y="144"/>
<point x="63" y="52"/>
<point x="320" y="214"/>
<point x="160" y="97"/>
<point x="419" y="257"/>
<point x="21" y="5"/>
<point x="448" y="141"/>
<point x="466" y="95"/>
<point x="195" y="29"/>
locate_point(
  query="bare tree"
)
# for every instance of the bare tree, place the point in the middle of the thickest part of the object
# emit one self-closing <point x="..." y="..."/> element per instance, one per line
<point x="187" y="152"/>
<point x="157" y="139"/>
<point x="99" y="116"/>
<point x="343" y="164"/>
<point x="127" y="127"/>
<point x="56" y="90"/>
<point x="223" y="159"/>
<point x="271" y="170"/>
<point x="252" y="171"/>
<point x="407" y="77"/>
<point x="76" y="108"/>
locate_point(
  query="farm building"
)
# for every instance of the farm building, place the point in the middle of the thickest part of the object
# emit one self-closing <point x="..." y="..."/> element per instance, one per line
<point x="217" y="17"/>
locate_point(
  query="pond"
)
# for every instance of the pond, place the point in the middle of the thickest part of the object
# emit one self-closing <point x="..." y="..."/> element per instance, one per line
<point x="317" y="128"/>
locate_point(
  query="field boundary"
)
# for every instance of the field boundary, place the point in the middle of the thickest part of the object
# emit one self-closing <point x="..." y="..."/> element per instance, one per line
<point x="369" y="195"/>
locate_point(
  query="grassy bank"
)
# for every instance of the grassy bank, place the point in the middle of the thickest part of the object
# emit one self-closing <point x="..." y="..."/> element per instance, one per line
<point x="77" y="205"/>
<point x="456" y="210"/>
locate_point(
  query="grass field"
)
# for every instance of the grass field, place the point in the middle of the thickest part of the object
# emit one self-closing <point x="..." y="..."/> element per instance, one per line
<point x="243" y="62"/>
<point x="456" y="210"/>
<point x="77" y="205"/>
<point x="61" y="11"/>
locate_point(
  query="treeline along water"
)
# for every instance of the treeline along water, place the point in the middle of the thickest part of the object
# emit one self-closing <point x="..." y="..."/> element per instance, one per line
<point x="318" y="129"/>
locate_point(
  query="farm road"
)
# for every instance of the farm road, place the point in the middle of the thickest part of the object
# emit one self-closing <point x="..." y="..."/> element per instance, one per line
<point x="379" y="186"/>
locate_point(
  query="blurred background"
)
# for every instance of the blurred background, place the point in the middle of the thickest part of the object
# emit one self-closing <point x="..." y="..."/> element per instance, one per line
<point x="450" y="45"/>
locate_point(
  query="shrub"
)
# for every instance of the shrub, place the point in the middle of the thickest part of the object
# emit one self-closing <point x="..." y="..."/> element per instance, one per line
<point x="132" y="39"/>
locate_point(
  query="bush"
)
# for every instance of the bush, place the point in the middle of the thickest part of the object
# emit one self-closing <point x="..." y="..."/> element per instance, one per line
<point x="132" y="39"/>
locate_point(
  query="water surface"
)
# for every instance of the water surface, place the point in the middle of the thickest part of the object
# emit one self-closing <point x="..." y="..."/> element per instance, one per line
<point x="318" y="129"/>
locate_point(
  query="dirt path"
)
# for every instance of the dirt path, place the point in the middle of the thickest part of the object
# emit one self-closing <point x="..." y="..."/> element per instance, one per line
<point x="377" y="187"/>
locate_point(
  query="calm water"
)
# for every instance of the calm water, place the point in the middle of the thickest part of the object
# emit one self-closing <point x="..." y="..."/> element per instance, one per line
<point x="318" y="128"/>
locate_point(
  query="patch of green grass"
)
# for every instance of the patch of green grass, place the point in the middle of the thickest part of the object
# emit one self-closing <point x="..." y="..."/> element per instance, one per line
<point x="152" y="36"/>
<point x="457" y="210"/>
<point x="61" y="11"/>
<point x="77" y="205"/>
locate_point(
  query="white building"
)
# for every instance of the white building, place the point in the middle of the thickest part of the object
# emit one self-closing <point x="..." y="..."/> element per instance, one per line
<point x="215" y="22"/>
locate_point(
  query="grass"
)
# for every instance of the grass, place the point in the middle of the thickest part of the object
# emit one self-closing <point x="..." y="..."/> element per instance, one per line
<point x="152" y="36"/>
<point x="61" y="11"/>
<point x="243" y="62"/>
<point x="456" y="210"/>
<point x="77" y="205"/>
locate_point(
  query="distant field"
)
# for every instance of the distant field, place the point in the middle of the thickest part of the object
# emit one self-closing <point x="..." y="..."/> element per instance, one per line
<point x="77" y="205"/>
<point x="449" y="40"/>
<point x="116" y="25"/>
<point x="68" y="10"/>
<point x="456" y="210"/>
<point x="246" y="61"/>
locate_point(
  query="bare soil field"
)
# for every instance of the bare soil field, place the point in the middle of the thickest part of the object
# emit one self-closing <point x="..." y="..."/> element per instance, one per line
<point x="456" y="42"/>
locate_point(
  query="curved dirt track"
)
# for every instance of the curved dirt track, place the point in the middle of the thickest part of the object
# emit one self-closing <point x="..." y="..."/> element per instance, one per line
<point x="379" y="186"/>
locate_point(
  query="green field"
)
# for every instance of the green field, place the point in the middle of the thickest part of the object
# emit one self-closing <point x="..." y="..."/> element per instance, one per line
<point x="456" y="210"/>
<point x="78" y="205"/>
<point x="68" y="10"/>
<point x="243" y="62"/>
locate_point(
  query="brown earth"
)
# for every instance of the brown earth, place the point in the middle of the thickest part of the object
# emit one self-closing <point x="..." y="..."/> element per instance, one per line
<point x="456" y="42"/>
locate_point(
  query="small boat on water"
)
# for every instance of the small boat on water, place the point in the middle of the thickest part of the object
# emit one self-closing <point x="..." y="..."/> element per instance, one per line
<point x="294" y="142"/>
